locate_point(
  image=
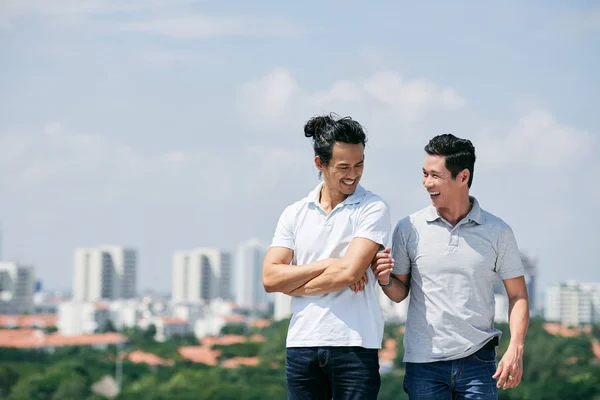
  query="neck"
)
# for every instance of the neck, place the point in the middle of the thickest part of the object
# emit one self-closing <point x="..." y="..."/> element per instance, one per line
<point x="457" y="211"/>
<point x="329" y="199"/>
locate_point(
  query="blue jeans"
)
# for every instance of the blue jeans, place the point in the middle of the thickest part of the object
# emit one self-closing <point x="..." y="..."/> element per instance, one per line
<point x="465" y="378"/>
<point x="319" y="373"/>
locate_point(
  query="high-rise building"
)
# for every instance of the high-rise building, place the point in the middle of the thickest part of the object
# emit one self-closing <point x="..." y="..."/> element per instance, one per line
<point x="573" y="303"/>
<point x="17" y="284"/>
<point x="104" y="272"/>
<point x="249" y="290"/>
<point x="530" y="266"/>
<point x="201" y="275"/>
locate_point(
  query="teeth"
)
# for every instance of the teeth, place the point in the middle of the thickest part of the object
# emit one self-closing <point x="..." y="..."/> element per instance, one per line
<point x="348" y="182"/>
<point x="434" y="193"/>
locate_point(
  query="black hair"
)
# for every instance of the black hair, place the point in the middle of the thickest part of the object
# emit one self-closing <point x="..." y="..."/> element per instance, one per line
<point x="326" y="130"/>
<point x="459" y="153"/>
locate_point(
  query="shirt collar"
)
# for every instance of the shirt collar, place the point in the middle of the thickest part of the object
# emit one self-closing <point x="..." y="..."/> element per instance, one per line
<point x="354" y="198"/>
<point x="474" y="215"/>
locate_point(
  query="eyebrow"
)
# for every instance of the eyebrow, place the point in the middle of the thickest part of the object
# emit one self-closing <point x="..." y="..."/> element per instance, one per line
<point x="433" y="171"/>
<point x="345" y="164"/>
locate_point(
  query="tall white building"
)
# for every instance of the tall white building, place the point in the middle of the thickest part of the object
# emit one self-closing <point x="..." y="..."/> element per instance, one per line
<point x="77" y="318"/>
<point x="249" y="290"/>
<point x="573" y="303"/>
<point x="201" y="275"/>
<point x="104" y="272"/>
<point x="17" y="287"/>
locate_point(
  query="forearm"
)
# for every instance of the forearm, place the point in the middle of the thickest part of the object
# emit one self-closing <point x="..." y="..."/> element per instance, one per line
<point x="398" y="291"/>
<point x="285" y="278"/>
<point x="518" y="316"/>
<point x="335" y="278"/>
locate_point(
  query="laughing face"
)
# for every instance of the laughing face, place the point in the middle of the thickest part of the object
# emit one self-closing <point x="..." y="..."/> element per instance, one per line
<point x="345" y="168"/>
<point x="437" y="180"/>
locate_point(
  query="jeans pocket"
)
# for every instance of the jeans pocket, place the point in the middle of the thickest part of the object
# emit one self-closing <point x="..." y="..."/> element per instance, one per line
<point x="486" y="356"/>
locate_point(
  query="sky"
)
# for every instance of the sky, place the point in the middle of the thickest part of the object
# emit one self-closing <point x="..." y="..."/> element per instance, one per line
<point x="167" y="125"/>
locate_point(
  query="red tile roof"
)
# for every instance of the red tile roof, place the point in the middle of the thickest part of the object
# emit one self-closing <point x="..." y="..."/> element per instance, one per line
<point x="223" y="340"/>
<point x="388" y="352"/>
<point x="29" y="338"/>
<point x="238" y="361"/>
<point x="260" y="323"/>
<point x="596" y="347"/>
<point x="557" y="329"/>
<point x="200" y="354"/>
<point x="173" y="320"/>
<point x="140" y="357"/>
<point x="258" y="338"/>
<point x="28" y="321"/>
<point x="235" y="319"/>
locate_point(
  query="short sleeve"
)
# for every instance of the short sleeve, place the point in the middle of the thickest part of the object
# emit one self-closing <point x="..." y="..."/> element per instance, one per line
<point x="508" y="261"/>
<point x="374" y="222"/>
<point x="400" y="247"/>
<point x="284" y="232"/>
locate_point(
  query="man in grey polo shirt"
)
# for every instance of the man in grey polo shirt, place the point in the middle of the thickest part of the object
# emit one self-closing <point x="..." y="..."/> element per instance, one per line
<point x="448" y="256"/>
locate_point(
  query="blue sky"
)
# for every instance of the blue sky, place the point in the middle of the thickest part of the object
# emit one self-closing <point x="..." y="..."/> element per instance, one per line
<point x="167" y="125"/>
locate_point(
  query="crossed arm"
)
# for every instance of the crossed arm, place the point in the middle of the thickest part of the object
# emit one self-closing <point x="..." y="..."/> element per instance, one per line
<point x="320" y="277"/>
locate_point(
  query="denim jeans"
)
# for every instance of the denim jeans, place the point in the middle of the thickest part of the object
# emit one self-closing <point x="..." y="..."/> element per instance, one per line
<point x="465" y="378"/>
<point x="319" y="373"/>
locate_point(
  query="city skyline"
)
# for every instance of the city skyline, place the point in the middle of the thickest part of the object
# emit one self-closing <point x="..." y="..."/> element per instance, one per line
<point x="163" y="125"/>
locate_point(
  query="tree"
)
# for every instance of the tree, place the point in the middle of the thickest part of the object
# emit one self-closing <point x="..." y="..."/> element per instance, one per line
<point x="150" y="332"/>
<point x="75" y="387"/>
<point x="234" y="329"/>
<point x="8" y="378"/>
<point x="109" y="326"/>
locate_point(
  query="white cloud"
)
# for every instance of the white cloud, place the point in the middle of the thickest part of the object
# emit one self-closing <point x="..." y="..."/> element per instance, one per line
<point x="204" y="26"/>
<point x="538" y="140"/>
<point x="410" y="100"/>
<point x="170" y="18"/>
<point x="92" y="169"/>
<point x="407" y="101"/>
<point x="175" y="157"/>
<point x="340" y="91"/>
<point x="269" y="98"/>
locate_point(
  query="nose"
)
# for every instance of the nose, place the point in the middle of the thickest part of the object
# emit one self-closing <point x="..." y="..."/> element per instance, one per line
<point x="352" y="174"/>
<point x="427" y="182"/>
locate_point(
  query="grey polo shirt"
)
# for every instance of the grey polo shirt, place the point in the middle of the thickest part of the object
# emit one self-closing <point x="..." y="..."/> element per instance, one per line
<point x="453" y="271"/>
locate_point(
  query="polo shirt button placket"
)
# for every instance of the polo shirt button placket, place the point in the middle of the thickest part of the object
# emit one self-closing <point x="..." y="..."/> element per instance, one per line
<point x="453" y="244"/>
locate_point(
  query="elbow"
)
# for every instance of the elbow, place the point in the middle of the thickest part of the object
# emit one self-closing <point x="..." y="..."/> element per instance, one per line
<point x="268" y="285"/>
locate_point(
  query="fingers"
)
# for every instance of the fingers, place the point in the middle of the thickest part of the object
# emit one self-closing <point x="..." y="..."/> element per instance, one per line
<point x="382" y="271"/>
<point x="503" y="378"/>
<point x="498" y="370"/>
<point x="513" y="379"/>
<point x="388" y="250"/>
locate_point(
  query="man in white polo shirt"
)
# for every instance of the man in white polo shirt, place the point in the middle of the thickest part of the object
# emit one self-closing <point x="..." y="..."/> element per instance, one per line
<point x="449" y="255"/>
<point x="320" y="254"/>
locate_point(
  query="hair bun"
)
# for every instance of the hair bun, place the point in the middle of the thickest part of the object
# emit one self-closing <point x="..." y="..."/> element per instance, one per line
<point x="316" y="125"/>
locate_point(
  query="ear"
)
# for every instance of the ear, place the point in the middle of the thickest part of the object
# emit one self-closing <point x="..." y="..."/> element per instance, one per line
<point x="464" y="177"/>
<point x="319" y="164"/>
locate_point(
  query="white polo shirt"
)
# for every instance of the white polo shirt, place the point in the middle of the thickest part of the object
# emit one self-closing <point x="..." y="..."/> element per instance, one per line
<point x="341" y="318"/>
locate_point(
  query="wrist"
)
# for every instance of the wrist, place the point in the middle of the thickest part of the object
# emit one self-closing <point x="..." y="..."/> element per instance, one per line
<point x="385" y="284"/>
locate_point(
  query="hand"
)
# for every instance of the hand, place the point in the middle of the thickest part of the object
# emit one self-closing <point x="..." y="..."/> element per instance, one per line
<point x="382" y="266"/>
<point x="510" y="368"/>
<point x="360" y="284"/>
